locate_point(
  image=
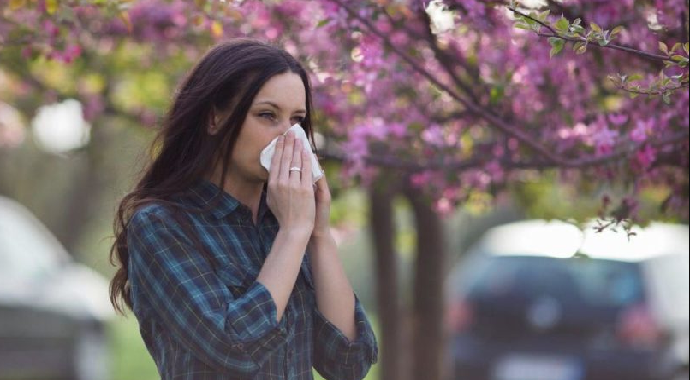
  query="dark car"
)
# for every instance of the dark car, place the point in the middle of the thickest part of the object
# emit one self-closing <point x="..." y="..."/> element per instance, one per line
<point x="53" y="311"/>
<point x="524" y="307"/>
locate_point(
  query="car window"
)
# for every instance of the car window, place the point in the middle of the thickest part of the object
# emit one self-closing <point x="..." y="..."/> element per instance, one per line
<point x="26" y="248"/>
<point x="589" y="281"/>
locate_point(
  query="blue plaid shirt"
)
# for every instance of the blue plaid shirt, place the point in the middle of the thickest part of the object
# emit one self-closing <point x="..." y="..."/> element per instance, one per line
<point x="203" y="315"/>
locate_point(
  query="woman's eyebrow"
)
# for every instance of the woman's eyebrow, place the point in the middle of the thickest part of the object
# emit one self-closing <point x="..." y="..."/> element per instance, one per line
<point x="276" y="105"/>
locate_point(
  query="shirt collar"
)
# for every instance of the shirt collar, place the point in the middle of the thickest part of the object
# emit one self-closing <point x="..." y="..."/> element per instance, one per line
<point x="205" y="192"/>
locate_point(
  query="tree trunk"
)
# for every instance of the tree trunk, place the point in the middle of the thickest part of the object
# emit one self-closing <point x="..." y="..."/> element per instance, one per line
<point x="427" y="307"/>
<point x="386" y="265"/>
<point x="77" y="208"/>
<point x="80" y="203"/>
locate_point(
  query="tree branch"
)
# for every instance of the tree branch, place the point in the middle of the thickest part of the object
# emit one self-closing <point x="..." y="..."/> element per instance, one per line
<point x="480" y="160"/>
<point x="627" y="49"/>
<point x="497" y="122"/>
<point x="443" y="58"/>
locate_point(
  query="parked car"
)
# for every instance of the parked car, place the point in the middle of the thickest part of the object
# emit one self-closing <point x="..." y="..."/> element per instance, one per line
<point x="524" y="306"/>
<point x="53" y="311"/>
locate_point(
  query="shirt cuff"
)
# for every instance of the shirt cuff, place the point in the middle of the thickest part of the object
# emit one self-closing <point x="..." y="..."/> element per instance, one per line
<point x="338" y="348"/>
<point x="258" y="325"/>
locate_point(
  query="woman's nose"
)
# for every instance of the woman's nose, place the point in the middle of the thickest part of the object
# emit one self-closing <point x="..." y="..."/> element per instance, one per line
<point x="285" y="125"/>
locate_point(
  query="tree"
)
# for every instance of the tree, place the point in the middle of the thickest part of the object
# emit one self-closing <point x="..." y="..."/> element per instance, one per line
<point x="443" y="98"/>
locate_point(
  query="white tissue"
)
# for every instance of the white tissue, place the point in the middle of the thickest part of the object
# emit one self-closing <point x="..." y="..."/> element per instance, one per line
<point x="267" y="153"/>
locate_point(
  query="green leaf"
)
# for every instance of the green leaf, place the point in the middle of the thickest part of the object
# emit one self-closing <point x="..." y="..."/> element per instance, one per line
<point x="663" y="47"/>
<point x="577" y="21"/>
<point x="562" y="25"/>
<point x="496" y="94"/>
<point x="617" y="30"/>
<point x="596" y="27"/>
<point x="529" y="21"/>
<point x="686" y="47"/>
<point x="679" y="58"/>
<point x="666" y="98"/>
<point x="544" y="15"/>
<point x="635" y="77"/>
<point x="582" y="49"/>
<point x="554" y="51"/>
<point x="676" y="47"/>
<point x="322" y="23"/>
<point x="523" y="26"/>
<point x="634" y="91"/>
<point x="556" y="46"/>
<point x="577" y="29"/>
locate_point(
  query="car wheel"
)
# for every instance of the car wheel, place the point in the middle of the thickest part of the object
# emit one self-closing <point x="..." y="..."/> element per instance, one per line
<point x="90" y="354"/>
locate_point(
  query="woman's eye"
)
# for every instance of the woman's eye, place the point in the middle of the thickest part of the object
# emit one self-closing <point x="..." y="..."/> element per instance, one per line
<point x="298" y="119"/>
<point x="267" y="115"/>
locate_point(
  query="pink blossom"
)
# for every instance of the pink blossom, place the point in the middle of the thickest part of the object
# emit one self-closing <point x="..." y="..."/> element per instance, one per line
<point x="641" y="131"/>
<point x="618" y="119"/>
<point x="646" y="156"/>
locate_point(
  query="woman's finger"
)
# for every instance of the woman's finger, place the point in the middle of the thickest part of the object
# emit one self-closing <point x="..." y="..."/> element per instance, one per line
<point x="296" y="175"/>
<point x="286" y="158"/>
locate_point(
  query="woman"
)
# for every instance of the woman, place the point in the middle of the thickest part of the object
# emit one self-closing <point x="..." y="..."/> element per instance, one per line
<point x="211" y="245"/>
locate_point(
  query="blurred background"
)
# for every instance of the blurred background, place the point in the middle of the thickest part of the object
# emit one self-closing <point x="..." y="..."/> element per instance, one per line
<point x="501" y="213"/>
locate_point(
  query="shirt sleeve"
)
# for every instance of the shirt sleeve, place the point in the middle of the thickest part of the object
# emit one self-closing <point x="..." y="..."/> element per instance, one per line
<point x="229" y="334"/>
<point x="338" y="358"/>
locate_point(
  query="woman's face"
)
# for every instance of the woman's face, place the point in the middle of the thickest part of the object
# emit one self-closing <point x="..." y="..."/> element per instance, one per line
<point x="280" y="103"/>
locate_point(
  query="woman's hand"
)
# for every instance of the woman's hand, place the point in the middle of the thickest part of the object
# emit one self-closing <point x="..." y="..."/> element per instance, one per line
<point x="290" y="192"/>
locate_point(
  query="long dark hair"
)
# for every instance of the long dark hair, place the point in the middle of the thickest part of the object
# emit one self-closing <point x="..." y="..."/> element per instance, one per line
<point x="229" y="75"/>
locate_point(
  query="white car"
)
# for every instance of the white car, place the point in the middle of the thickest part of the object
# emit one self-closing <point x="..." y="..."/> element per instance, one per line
<point x="53" y="311"/>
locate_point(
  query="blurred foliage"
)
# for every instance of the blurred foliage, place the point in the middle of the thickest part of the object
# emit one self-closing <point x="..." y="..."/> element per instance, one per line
<point x="547" y="197"/>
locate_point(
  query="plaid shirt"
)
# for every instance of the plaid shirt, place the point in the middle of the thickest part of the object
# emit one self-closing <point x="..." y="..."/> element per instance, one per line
<point x="206" y="317"/>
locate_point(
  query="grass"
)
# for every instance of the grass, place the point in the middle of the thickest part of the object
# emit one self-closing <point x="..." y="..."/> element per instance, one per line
<point x="130" y="359"/>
